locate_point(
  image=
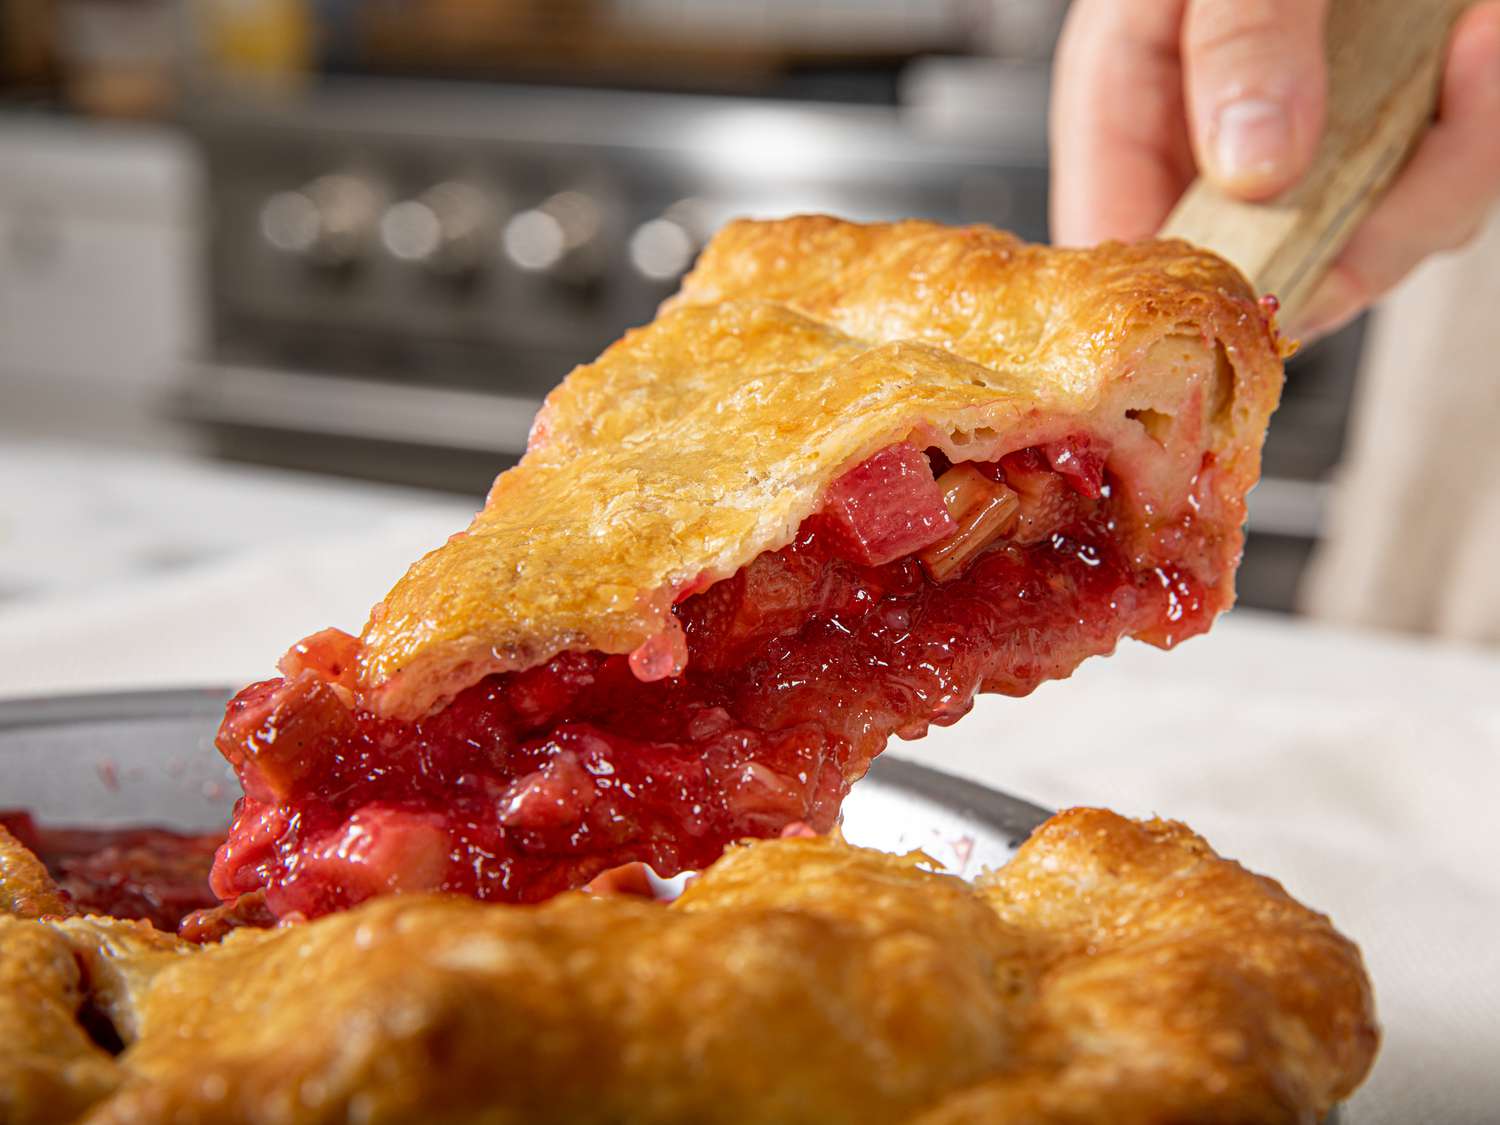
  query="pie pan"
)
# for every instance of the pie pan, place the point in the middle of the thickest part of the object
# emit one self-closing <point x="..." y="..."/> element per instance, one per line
<point x="117" y="759"/>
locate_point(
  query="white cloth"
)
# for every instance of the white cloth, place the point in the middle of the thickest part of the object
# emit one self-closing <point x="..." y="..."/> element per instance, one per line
<point x="1359" y="769"/>
<point x="1414" y="534"/>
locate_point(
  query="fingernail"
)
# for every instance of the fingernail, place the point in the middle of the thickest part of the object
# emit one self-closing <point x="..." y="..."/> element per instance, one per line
<point x="1252" y="140"/>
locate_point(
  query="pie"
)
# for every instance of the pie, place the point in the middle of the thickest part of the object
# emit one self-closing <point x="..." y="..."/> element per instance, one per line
<point x="849" y="477"/>
<point x="1114" y="971"/>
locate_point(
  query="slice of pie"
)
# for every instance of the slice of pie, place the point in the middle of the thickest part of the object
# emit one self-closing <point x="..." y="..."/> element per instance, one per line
<point x="849" y="477"/>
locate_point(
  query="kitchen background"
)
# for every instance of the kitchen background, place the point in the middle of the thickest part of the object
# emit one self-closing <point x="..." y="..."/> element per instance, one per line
<point x="353" y="244"/>
<point x="282" y="281"/>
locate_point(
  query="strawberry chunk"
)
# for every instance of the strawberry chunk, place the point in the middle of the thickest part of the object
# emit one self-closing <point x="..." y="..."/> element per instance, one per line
<point x="1080" y="462"/>
<point x="277" y="734"/>
<point x="331" y="654"/>
<point x="888" y="506"/>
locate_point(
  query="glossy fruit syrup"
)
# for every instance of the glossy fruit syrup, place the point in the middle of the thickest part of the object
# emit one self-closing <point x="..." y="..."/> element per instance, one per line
<point x="890" y="609"/>
<point x="150" y="873"/>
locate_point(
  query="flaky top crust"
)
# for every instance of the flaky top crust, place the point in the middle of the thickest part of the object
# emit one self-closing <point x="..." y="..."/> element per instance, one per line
<point x="796" y="349"/>
<point x="1114" y="971"/>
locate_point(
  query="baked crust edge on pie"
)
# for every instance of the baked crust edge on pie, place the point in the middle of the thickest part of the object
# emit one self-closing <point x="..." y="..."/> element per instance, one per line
<point x="1114" y="970"/>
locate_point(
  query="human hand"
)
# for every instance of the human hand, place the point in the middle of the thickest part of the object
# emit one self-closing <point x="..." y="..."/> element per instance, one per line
<point x="1147" y="93"/>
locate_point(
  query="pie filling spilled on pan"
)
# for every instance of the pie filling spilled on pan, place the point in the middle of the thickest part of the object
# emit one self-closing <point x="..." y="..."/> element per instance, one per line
<point x="917" y="584"/>
<point x="150" y="873"/>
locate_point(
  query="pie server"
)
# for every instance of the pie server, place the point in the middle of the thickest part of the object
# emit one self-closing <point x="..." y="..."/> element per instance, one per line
<point x="1384" y="71"/>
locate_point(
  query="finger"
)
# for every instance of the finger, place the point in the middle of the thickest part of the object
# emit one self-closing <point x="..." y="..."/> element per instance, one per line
<point x="1441" y="198"/>
<point x="1256" y="90"/>
<point x="1120" y="153"/>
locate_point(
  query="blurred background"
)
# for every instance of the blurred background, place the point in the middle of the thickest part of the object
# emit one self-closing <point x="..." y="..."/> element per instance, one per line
<point x="283" y="281"/>
<point x="277" y="269"/>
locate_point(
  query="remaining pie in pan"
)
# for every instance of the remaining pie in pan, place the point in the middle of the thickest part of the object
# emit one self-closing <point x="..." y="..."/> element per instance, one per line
<point x="1114" y="971"/>
<point x="849" y="477"/>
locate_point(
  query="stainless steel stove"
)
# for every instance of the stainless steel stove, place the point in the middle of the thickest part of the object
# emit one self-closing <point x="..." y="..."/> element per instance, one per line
<point x="410" y="267"/>
<point x="399" y="271"/>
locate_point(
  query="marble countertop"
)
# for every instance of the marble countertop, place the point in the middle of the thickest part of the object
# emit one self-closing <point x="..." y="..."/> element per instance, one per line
<point x="1358" y="768"/>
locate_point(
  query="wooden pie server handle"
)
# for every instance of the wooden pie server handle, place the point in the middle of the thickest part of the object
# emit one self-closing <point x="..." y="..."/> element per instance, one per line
<point x="1385" y="64"/>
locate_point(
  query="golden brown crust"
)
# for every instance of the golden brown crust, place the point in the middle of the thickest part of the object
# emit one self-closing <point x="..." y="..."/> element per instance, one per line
<point x="26" y="890"/>
<point x="119" y="957"/>
<point x="50" y="1070"/>
<point x="1177" y="987"/>
<point x="1113" y="971"/>
<point x="796" y="349"/>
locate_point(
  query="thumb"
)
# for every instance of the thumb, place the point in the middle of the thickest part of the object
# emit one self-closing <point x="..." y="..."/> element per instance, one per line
<point x="1256" y="86"/>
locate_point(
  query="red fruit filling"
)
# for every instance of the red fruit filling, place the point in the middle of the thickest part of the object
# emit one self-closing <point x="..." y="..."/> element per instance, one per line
<point x="148" y="873"/>
<point x="891" y="608"/>
<point x="886" y="507"/>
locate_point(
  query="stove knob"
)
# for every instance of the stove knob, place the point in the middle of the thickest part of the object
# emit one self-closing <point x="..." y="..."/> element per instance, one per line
<point x="560" y="237"/>
<point x="327" y="223"/>
<point x="662" y="249"/>
<point x="449" y="229"/>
